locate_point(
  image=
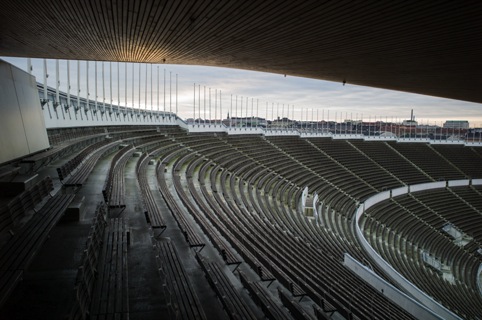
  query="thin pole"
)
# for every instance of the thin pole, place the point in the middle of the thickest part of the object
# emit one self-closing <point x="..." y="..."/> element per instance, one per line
<point x="68" y="87"/>
<point x="257" y="112"/>
<point x="45" y="81"/>
<point x="194" y="105"/>
<point x="215" y="106"/>
<point x="29" y="65"/>
<point x="204" y="102"/>
<point x="78" y="87"/>
<point x="164" y="107"/>
<point x="133" y="91"/>
<point x="176" y="96"/>
<point x="110" y="84"/>
<point x="57" y="87"/>
<point x="220" y="107"/>
<point x="170" y="94"/>
<point x="158" y="91"/>
<point x="103" y="89"/>
<point x="118" y="89"/>
<point x="231" y="112"/>
<point x="210" y="116"/>
<point x="145" y="94"/>
<point x="87" y="78"/>
<point x="151" y="91"/>
<point x="139" y="109"/>
<point x="125" y="84"/>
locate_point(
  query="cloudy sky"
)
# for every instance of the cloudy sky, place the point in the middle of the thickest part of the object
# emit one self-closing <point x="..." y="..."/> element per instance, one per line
<point x="305" y="97"/>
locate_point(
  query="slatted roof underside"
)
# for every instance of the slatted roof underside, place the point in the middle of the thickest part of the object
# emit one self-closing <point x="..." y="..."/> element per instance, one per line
<point x="426" y="47"/>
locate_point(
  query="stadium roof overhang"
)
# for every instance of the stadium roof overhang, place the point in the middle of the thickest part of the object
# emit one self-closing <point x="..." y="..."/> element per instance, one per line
<point x="432" y="48"/>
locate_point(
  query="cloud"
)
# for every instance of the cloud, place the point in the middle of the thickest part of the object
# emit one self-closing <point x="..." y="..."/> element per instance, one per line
<point x="302" y="93"/>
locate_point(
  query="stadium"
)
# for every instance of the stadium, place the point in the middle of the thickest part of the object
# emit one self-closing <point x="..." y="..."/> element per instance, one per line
<point x="110" y="211"/>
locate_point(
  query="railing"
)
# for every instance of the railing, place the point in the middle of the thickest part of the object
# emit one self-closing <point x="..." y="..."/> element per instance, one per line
<point x="409" y="287"/>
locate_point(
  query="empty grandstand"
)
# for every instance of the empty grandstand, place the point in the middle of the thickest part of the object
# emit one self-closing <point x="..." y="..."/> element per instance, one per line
<point x="142" y="215"/>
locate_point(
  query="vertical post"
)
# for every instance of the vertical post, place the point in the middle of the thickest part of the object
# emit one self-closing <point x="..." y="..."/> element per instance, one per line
<point x="95" y="88"/>
<point x="317" y="120"/>
<point x="110" y="86"/>
<point x="29" y="65"/>
<point x="236" y="108"/>
<point x="282" y="116"/>
<point x="272" y="112"/>
<point x="170" y="94"/>
<point x="151" y="92"/>
<point x="204" y="103"/>
<point x="199" y="103"/>
<point x="257" y="113"/>
<point x="145" y="94"/>
<point x="103" y="91"/>
<point x="164" y="106"/>
<point x="210" y="116"/>
<point x="194" y="106"/>
<point x="45" y="82"/>
<point x="221" y="108"/>
<point x="158" y="91"/>
<point x="176" y="98"/>
<point x="231" y="112"/>
<point x="57" y="87"/>
<point x="68" y="87"/>
<point x="139" y="107"/>
<point x="215" y="106"/>
<point x="266" y="119"/>
<point x="125" y="85"/>
<point x="78" y="88"/>
<point x="133" y="92"/>
<point x="87" y="104"/>
<point x="118" y="88"/>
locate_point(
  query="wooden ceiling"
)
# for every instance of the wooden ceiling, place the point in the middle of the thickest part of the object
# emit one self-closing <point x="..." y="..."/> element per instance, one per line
<point x="427" y="47"/>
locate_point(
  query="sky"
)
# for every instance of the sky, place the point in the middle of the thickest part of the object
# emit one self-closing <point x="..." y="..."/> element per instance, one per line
<point x="307" y="98"/>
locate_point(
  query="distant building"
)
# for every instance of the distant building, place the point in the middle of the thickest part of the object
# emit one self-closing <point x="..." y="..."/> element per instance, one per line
<point x="456" y="124"/>
<point x="409" y="123"/>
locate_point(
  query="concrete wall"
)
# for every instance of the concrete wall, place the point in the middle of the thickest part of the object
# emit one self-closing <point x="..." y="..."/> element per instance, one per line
<point x="22" y="126"/>
<point x="413" y="307"/>
<point x="406" y="285"/>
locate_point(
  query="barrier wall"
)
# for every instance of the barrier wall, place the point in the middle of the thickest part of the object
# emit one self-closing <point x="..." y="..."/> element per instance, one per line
<point x="410" y="305"/>
<point x="22" y="126"/>
<point x="409" y="287"/>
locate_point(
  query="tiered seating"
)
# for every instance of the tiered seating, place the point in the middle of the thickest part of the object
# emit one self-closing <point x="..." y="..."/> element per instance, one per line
<point x="454" y="210"/>
<point x="114" y="188"/>
<point x="295" y="309"/>
<point x="13" y="210"/>
<point x="191" y="236"/>
<point x="359" y="164"/>
<point x="184" y="303"/>
<point x="89" y="268"/>
<point x="401" y="228"/>
<point x="67" y="168"/>
<point x="262" y="298"/>
<point x="208" y="229"/>
<point x="347" y="190"/>
<point x="387" y="158"/>
<point x="152" y="210"/>
<point x="276" y="248"/>
<point x="65" y="148"/>
<point x="424" y="157"/>
<point x="85" y="168"/>
<point x="463" y="158"/>
<point x="23" y="246"/>
<point x="110" y="299"/>
<point x="57" y="136"/>
<point x="230" y="298"/>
